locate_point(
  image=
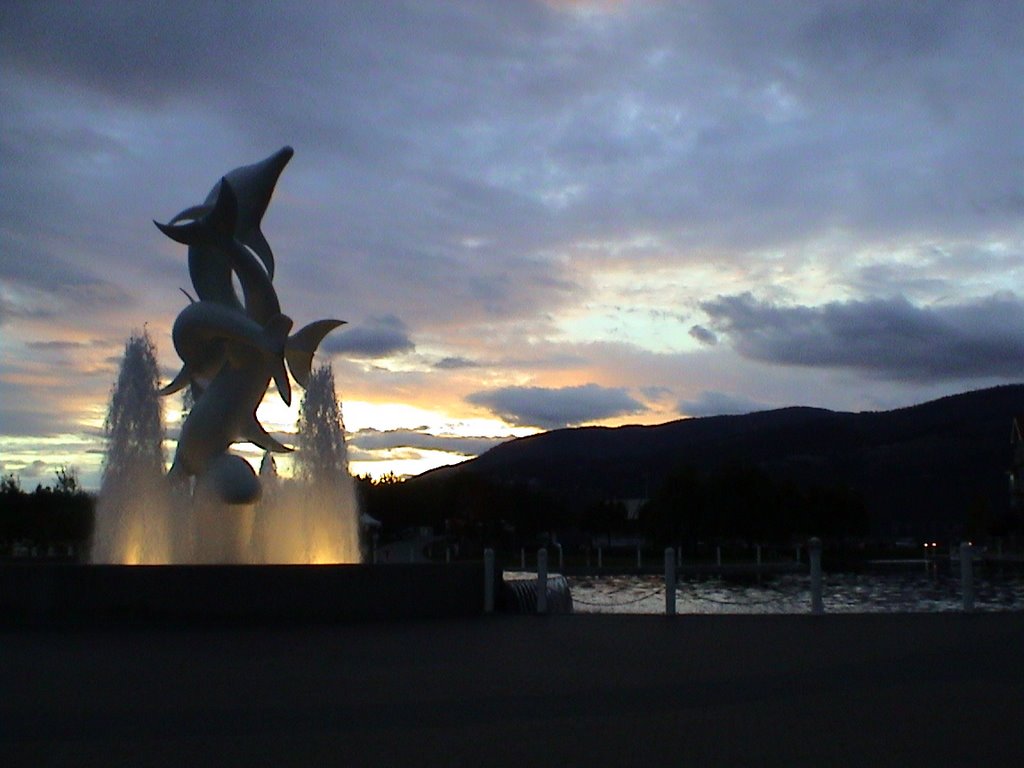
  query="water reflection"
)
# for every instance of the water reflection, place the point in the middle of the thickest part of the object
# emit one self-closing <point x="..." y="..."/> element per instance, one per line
<point x="872" y="591"/>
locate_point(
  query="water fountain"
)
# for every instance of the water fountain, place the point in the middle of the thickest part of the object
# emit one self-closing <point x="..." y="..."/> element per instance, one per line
<point x="209" y="539"/>
<point x="208" y="507"/>
<point x="297" y="520"/>
<point x="133" y="520"/>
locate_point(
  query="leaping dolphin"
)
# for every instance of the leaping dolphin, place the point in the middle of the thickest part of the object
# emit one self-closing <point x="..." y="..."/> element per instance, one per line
<point x="212" y="235"/>
<point x="232" y="348"/>
<point x="206" y="335"/>
<point x="254" y="186"/>
<point x="226" y="412"/>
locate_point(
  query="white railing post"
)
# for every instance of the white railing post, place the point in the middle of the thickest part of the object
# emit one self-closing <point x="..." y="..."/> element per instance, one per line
<point x="542" y="581"/>
<point x="488" y="580"/>
<point x="670" y="582"/>
<point x="814" y="552"/>
<point x="967" y="575"/>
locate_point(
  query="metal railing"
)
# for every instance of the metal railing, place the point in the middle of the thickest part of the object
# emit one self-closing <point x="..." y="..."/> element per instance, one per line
<point x="672" y="562"/>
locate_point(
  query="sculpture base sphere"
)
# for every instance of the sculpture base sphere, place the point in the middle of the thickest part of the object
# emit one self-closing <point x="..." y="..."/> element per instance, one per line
<point x="230" y="480"/>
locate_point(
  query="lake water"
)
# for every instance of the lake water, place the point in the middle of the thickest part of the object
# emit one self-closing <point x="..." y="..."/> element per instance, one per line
<point x="903" y="589"/>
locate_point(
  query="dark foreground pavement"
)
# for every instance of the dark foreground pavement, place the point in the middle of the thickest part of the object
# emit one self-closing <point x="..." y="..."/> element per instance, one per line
<point x="943" y="689"/>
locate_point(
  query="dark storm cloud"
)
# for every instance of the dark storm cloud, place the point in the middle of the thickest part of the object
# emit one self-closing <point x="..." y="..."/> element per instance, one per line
<point x="377" y="337"/>
<point x="860" y="35"/>
<point x="141" y="51"/>
<point x="656" y="392"/>
<point x="27" y="263"/>
<point x="472" y="167"/>
<point x="554" y="408"/>
<point x="718" y="404"/>
<point x="517" y="98"/>
<point x="59" y="346"/>
<point x="11" y="310"/>
<point x="455" y="363"/>
<point x="375" y="440"/>
<point x="532" y="127"/>
<point x="889" y="338"/>
<point x="19" y="417"/>
<point x="703" y="335"/>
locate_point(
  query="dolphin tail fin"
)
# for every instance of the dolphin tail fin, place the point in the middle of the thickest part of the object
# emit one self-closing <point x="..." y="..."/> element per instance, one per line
<point x="217" y="225"/>
<point x="303" y="344"/>
<point x="277" y="328"/>
<point x="191" y="214"/>
<point x="178" y="383"/>
<point x="256" y="434"/>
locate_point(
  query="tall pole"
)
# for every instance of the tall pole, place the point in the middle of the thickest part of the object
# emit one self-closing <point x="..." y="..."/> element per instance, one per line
<point x="670" y="582"/>
<point x="488" y="580"/>
<point x="542" y="581"/>
<point x="814" y="550"/>
<point x="967" y="575"/>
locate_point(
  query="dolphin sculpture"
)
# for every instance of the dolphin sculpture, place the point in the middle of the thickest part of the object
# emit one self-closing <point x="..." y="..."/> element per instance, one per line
<point x="206" y="335"/>
<point x="203" y="324"/>
<point x="226" y="410"/>
<point x="212" y="238"/>
<point x="232" y="348"/>
<point x="214" y="234"/>
<point x="254" y="185"/>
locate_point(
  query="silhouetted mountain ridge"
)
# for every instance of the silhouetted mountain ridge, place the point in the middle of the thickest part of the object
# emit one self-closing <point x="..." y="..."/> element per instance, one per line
<point x="917" y="466"/>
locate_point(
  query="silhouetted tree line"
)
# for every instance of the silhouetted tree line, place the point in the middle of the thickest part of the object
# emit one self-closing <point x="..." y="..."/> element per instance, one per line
<point x="467" y="506"/>
<point x="62" y="513"/>
<point x="736" y="501"/>
<point x="742" y="501"/>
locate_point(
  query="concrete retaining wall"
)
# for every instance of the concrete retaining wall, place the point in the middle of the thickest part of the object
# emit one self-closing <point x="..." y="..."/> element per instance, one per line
<point x="59" y="593"/>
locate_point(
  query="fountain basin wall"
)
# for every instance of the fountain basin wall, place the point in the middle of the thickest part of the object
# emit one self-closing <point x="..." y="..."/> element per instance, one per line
<point x="64" y="593"/>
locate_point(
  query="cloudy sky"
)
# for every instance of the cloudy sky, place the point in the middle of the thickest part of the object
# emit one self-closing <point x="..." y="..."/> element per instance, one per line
<point x="531" y="214"/>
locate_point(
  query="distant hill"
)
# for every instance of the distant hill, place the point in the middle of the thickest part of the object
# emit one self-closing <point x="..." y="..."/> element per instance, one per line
<point x="919" y="468"/>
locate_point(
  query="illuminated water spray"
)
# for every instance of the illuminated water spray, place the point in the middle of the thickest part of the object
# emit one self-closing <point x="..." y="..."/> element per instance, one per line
<point x="312" y="518"/>
<point x="205" y="509"/>
<point x="133" y="512"/>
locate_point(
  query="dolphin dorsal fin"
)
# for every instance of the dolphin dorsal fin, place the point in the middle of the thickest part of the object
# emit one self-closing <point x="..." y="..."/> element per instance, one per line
<point x="303" y="344"/>
<point x="216" y="225"/>
<point x="178" y="383"/>
<point x="256" y="434"/>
